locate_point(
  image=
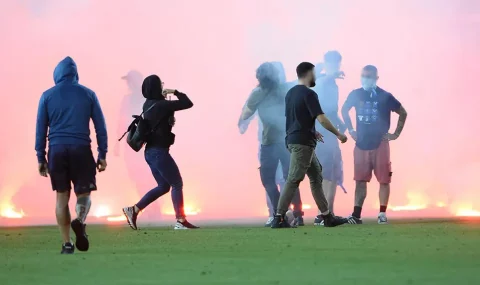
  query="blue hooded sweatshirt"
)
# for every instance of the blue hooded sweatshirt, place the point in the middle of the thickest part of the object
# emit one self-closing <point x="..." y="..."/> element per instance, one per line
<point x="65" y="111"/>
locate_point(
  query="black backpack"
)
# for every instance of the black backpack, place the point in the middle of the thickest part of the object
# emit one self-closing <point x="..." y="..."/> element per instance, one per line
<point x="138" y="131"/>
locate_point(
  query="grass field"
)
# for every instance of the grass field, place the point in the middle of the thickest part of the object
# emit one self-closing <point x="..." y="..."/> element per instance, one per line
<point x="414" y="252"/>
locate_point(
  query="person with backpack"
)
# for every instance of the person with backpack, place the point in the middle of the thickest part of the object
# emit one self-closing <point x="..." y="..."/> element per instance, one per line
<point x="159" y="119"/>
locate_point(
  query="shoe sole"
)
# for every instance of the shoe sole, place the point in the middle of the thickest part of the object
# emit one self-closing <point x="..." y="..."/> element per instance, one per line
<point x="130" y="223"/>
<point x="81" y="241"/>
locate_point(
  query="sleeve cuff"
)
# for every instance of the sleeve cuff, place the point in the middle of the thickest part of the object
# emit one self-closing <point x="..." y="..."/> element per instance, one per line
<point x="41" y="159"/>
<point x="102" y="155"/>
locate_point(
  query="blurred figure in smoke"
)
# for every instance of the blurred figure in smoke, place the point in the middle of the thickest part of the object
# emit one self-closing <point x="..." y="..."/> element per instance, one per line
<point x="302" y="109"/>
<point x="64" y="112"/>
<point x="160" y="116"/>
<point x="329" y="153"/>
<point x="132" y="103"/>
<point x="269" y="99"/>
<point x="373" y="107"/>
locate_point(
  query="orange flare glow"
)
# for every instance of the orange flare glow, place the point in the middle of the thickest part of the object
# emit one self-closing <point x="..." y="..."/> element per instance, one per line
<point x="102" y="211"/>
<point x="10" y="213"/>
<point x="189" y="211"/>
<point x="409" y="208"/>
<point x="467" y="212"/>
<point x="121" y="218"/>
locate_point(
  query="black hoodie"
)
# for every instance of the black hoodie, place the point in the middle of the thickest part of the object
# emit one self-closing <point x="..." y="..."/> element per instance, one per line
<point x="162" y="115"/>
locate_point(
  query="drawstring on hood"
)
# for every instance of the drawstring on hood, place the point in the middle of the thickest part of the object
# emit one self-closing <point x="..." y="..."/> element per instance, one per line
<point x="66" y="70"/>
<point x="152" y="88"/>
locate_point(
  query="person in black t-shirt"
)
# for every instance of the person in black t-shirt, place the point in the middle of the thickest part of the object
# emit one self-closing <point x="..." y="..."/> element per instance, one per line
<point x="302" y="109"/>
<point x="373" y="107"/>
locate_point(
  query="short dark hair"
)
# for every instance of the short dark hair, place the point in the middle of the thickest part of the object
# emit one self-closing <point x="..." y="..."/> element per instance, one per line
<point x="303" y="68"/>
<point x="332" y="56"/>
<point x="371" y="68"/>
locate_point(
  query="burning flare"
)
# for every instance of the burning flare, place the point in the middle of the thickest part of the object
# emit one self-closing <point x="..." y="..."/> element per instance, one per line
<point x="8" y="211"/>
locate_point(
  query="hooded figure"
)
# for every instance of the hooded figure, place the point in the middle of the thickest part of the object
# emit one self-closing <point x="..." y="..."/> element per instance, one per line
<point x="161" y="118"/>
<point x="65" y="111"/>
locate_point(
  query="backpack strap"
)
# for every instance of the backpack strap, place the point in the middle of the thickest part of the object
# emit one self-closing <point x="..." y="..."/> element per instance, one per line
<point x="136" y="118"/>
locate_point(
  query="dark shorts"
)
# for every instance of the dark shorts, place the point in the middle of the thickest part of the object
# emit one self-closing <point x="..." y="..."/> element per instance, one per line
<point x="69" y="164"/>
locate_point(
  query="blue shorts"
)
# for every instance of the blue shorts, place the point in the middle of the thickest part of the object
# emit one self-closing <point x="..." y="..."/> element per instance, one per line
<point x="330" y="157"/>
<point x="69" y="164"/>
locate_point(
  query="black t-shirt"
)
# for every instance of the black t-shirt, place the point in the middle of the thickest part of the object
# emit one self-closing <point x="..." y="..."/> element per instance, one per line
<point x="301" y="110"/>
<point x="373" y="109"/>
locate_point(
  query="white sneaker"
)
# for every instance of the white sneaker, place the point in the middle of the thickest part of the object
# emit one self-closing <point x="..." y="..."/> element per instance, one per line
<point x="185" y="225"/>
<point x="291" y="218"/>
<point x="382" y="218"/>
<point x="269" y="222"/>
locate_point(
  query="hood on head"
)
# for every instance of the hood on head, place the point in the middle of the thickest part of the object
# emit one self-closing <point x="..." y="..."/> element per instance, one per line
<point x="152" y="87"/>
<point x="134" y="80"/>
<point x="66" y="70"/>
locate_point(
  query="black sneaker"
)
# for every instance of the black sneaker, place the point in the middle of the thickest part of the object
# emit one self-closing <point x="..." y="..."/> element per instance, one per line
<point x="330" y="220"/>
<point x="354" y="220"/>
<point x="280" y="221"/>
<point x="318" y="221"/>
<point x="299" y="221"/>
<point x="185" y="225"/>
<point x="81" y="241"/>
<point x="68" y="248"/>
<point x="131" y="216"/>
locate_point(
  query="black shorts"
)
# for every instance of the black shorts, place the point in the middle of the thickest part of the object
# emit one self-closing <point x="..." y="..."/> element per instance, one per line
<point x="69" y="164"/>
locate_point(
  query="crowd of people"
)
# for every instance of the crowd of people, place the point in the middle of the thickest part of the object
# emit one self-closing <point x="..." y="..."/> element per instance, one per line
<point x="299" y="132"/>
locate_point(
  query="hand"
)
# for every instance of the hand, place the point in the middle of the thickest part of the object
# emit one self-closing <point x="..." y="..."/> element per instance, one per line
<point x="340" y="75"/>
<point x="101" y="165"/>
<point x="390" y="137"/>
<point x="353" y="134"/>
<point x="242" y="127"/>
<point x="43" y="169"/>
<point x="342" y="138"/>
<point x="319" y="137"/>
<point x="165" y="92"/>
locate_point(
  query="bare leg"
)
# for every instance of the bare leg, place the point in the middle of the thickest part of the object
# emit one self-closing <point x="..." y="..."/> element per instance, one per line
<point x="63" y="215"/>
<point x="384" y="194"/>
<point x="360" y="193"/>
<point x="83" y="206"/>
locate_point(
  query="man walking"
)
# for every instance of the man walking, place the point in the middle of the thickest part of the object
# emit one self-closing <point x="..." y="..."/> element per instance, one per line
<point x="373" y="107"/>
<point x="302" y="109"/>
<point x="64" y="112"/>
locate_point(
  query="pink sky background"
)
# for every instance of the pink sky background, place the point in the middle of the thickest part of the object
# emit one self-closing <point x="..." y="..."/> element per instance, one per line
<point x="427" y="52"/>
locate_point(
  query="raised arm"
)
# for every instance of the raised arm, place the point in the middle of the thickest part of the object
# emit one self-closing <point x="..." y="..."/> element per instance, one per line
<point x="100" y="128"/>
<point x="41" y="131"/>
<point x="182" y="103"/>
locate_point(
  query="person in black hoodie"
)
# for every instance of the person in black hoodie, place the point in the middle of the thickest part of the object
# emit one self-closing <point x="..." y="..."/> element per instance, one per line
<point x="164" y="169"/>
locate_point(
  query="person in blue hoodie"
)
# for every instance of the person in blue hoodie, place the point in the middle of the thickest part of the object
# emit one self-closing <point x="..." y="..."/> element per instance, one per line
<point x="64" y="113"/>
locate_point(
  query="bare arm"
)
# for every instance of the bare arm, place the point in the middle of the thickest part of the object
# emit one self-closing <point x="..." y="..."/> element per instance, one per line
<point x="401" y="120"/>
<point x="325" y="122"/>
<point x="346" y="116"/>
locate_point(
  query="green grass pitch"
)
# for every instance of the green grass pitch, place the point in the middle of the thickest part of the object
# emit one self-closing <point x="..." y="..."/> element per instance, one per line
<point x="403" y="252"/>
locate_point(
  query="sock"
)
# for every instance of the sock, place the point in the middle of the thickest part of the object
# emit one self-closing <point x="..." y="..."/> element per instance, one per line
<point x="383" y="209"/>
<point x="357" y="212"/>
<point x="83" y="207"/>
